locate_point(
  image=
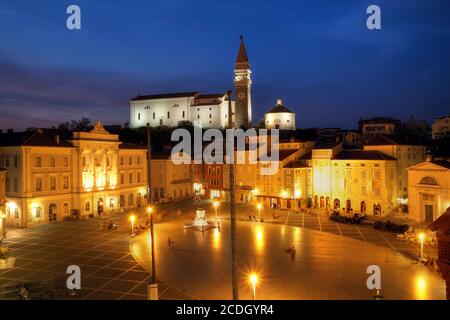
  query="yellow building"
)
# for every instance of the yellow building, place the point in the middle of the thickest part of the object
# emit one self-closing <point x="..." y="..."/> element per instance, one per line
<point x="280" y="189"/>
<point x="51" y="177"/>
<point x="2" y="201"/>
<point x="407" y="154"/>
<point x="429" y="190"/>
<point x="171" y="181"/>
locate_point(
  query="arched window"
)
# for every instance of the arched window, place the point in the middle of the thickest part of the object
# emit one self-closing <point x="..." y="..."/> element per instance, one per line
<point x="66" y="208"/>
<point x="38" y="212"/>
<point x="337" y="204"/>
<point x="52" y="212"/>
<point x="322" y="203"/>
<point x="363" y="207"/>
<point x="348" y="205"/>
<point x="429" y="181"/>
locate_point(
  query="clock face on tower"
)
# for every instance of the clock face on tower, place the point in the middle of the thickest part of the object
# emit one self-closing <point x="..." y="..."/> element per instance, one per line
<point x="241" y="95"/>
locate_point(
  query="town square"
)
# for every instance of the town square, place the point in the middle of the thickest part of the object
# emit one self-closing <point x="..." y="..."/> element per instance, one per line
<point x="203" y="152"/>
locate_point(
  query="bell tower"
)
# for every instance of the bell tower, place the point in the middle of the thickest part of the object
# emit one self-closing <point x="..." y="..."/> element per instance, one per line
<point x="243" y="83"/>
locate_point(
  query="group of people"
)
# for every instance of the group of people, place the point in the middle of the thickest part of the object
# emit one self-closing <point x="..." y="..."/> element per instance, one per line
<point x="292" y="251"/>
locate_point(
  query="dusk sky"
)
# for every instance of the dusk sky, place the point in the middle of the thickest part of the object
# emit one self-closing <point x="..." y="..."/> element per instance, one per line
<point x="318" y="56"/>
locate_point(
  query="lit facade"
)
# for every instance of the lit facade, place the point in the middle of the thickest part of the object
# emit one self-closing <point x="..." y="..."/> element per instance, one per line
<point x="2" y="201"/>
<point x="407" y="154"/>
<point x="279" y="117"/>
<point x="51" y="179"/>
<point x="202" y="110"/>
<point x="170" y="181"/>
<point x="429" y="190"/>
<point x="441" y="127"/>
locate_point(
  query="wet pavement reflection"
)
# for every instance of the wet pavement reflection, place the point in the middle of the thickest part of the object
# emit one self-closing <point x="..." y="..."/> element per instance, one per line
<point x="325" y="266"/>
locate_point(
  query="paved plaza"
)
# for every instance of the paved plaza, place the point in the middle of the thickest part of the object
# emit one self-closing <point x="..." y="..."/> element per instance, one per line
<point x="110" y="271"/>
<point x="326" y="266"/>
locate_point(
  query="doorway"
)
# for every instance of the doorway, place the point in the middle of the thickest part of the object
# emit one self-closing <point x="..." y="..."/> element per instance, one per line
<point x="100" y="206"/>
<point x="52" y="214"/>
<point x="429" y="216"/>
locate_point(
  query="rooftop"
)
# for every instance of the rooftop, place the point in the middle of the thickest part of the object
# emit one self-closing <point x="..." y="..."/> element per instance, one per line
<point x="165" y="96"/>
<point x="37" y="138"/>
<point x="383" y="140"/>
<point x="279" y="108"/>
<point x="296" y="164"/>
<point x="129" y="146"/>
<point x="362" y="155"/>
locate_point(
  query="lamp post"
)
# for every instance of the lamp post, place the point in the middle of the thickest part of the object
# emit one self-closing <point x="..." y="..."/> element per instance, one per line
<point x="253" y="279"/>
<point x="259" y="207"/>
<point x="215" y="205"/>
<point x="234" y="276"/>
<point x="132" y="218"/>
<point x="153" y="286"/>
<point x="421" y="238"/>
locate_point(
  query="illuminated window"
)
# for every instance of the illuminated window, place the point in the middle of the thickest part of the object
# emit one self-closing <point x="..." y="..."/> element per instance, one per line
<point x="52" y="162"/>
<point x="65" y="182"/>
<point x="66" y="208"/>
<point x="53" y="183"/>
<point x="130" y="199"/>
<point x="38" y="212"/>
<point x="38" y="186"/>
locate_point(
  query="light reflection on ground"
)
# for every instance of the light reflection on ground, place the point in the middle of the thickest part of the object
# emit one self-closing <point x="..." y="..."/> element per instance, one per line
<point x="325" y="266"/>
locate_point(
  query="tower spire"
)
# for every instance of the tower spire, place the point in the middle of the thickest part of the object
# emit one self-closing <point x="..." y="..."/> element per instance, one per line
<point x="242" y="59"/>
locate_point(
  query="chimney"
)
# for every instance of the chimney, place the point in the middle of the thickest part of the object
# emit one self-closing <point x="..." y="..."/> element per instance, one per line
<point x="57" y="138"/>
<point x="429" y="156"/>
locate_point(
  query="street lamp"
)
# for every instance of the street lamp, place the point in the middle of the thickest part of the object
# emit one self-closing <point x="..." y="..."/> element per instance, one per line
<point x="132" y="218"/>
<point x="421" y="238"/>
<point x="153" y="288"/>
<point x="259" y="207"/>
<point x="253" y="279"/>
<point x="216" y="205"/>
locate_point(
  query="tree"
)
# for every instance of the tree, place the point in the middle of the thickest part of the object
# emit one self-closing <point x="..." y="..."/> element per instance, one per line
<point x="81" y="125"/>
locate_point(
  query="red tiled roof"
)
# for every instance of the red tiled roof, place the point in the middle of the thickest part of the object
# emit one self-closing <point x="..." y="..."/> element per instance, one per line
<point x="37" y="138"/>
<point x="126" y="145"/>
<point x="165" y="96"/>
<point x="296" y="164"/>
<point x="362" y="155"/>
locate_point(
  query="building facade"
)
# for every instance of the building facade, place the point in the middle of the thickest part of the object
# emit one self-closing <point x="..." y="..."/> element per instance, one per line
<point x="279" y="117"/>
<point x="171" y="181"/>
<point x="2" y="203"/>
<point x="378" y="125"/>
<point x="429" y="190"/>
<point x="202" y="110"/>
<point x="51" y="178"/>
<point x="407" y="154"/>
<point x="441" y="127"/>
<point x="173" y="109"/>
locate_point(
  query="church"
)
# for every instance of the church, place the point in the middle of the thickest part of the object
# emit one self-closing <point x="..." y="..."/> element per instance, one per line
<point x="202" y="110"/>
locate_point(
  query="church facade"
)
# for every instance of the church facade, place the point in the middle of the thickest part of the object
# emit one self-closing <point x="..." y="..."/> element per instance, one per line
<point x="202" y="110"/>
